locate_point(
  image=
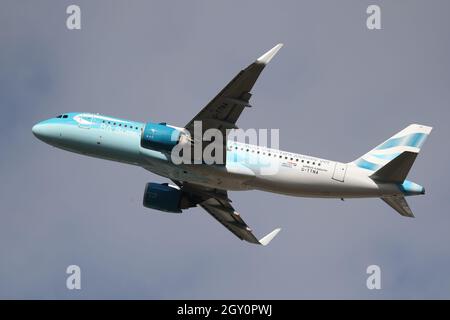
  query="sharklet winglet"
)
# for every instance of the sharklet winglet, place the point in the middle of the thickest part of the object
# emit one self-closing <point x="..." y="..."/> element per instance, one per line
<point x="266" y="239"/>
<point x="266" y="57"/>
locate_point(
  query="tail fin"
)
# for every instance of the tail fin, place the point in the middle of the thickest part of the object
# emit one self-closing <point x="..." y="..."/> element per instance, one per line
<point x="392" y="159"/>
<point x="391" y="162"/>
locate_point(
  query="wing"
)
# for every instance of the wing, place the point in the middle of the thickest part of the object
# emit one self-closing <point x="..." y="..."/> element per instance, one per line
<point x="217" y="204"/>
<point x="223" y="111"/>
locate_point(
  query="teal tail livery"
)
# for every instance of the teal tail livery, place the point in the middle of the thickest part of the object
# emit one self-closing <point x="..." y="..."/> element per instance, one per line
<point x="199" y="182"/>
<point x="391" y="161"/>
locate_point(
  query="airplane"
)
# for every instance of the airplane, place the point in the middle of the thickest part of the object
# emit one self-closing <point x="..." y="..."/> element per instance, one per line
<point x="380" y="173"/>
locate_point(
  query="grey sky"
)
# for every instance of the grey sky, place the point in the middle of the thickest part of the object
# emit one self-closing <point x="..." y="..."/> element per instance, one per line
<point x="335" y="90"/>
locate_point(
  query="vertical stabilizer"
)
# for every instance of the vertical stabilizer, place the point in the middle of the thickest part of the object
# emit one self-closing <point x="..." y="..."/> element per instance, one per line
<point x="402" y="149"/>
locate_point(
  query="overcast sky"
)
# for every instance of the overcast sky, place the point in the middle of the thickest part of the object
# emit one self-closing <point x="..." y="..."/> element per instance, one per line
<point x="335" y="90"/>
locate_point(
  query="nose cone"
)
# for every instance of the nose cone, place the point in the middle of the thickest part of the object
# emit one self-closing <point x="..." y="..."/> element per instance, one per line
<point x="41" y="131"/>
<point x="38" y="130"/>
<point x="46" y="132"/>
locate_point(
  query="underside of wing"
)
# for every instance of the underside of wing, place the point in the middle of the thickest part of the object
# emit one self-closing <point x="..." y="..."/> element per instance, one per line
<point x="226" y="215"/>
<point x="226" y="107"/>
<point x="223" y="111"/>
<point x="218" y="205"/>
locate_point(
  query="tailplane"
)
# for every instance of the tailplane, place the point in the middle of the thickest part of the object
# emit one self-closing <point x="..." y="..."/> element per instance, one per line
<point x="399" y="204"/>
<point x="397" y="169"/>
<point x="391" y="161"/>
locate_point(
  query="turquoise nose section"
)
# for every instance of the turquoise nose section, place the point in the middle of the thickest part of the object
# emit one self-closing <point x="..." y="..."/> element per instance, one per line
<point x="410" y="188"/>
<point x="46" y="131"/>
<point x="39" y="130"/>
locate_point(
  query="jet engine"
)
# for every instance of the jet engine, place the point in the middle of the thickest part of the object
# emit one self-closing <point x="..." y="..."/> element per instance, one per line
<point x="161" y="137"/>
<point x="165" y="197"/>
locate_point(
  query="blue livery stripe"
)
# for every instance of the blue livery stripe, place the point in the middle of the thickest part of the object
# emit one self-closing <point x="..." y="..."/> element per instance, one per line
<point x="367" y="165"/>
<point x="411" y="140"/>
<point x="389" y="156"/>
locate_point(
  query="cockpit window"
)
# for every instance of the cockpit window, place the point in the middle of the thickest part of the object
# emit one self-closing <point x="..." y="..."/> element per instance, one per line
<point x="59" y="116"/>
<point x="65" y="116"/>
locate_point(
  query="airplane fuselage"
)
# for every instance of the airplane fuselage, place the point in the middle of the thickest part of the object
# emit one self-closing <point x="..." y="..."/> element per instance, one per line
<point x="248" y="167"/>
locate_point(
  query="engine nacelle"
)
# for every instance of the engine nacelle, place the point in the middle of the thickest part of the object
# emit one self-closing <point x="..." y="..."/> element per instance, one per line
<point x="161" y="137"/>
<point x="166" y="198"/>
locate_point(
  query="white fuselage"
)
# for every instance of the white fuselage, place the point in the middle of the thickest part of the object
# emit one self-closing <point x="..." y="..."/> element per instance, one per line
<point x="247" y="166"/>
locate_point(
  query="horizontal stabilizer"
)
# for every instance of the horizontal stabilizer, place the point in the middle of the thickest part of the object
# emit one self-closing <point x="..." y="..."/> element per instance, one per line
<point x="399" y="204"/>
<point x="265" y="241"/>
<point x="397" y="169"/>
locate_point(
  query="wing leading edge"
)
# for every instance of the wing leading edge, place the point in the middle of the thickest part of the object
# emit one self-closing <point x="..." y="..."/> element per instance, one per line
<point x="223" y="111"/>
